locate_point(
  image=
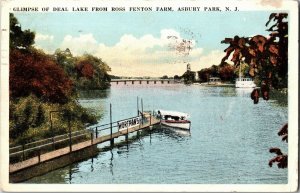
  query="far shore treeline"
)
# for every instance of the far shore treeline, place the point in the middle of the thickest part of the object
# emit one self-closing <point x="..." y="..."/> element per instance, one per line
<point x="41" y="83"/>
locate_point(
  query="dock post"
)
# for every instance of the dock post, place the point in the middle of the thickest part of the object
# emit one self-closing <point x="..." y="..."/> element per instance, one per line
<point x="126" y="137"/>
<point x="92" y="136"/>
<point x="52" y="132"/>
<point x="150" y="119"/>
<point x="142" y="111"/>
<point x="110" y="115"/>
<point x="70" y="137"/>
<point x="137" y="105"/>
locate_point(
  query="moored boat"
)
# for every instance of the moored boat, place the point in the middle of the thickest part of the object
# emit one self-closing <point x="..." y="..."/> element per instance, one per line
<point x="244" y="83"/>
<point x="174" y="119"/>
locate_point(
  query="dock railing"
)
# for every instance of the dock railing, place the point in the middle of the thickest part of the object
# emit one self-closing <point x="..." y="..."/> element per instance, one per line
<point x="36" y="148"/>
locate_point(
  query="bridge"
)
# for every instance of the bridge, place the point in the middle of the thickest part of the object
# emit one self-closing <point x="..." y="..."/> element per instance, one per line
<point x="147" y="81"/>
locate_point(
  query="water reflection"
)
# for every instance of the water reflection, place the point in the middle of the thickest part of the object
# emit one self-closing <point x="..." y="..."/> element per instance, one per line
<point x="243" y="92"/>
<point x="174" y="133"/>
<point x="111" y="165"/>
<point x="70" y="174"/>
<point x="94" y="94"/>
<point x="92" y="164"/>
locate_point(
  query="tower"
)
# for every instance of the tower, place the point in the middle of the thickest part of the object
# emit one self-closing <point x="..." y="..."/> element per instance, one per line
<point x="188" y="67"/>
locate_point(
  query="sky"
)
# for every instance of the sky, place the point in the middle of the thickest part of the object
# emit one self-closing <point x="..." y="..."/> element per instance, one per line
<point x="144" y="43"/>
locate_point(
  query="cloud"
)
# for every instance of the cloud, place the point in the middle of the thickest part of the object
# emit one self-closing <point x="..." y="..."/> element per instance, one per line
<point x="85" y="43"/>
<point x="147" y="55"/>
<point x="44" y="41"/>
<point x="43" y="37"/>
<point x="212" y="58"/>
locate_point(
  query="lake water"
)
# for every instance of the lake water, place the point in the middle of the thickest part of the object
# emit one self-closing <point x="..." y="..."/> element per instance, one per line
<point x="228" y="144"/>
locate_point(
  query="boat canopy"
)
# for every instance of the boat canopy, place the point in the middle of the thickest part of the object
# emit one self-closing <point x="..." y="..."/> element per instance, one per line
<point x="172" y="113"/>
<point x="244" y="79"/>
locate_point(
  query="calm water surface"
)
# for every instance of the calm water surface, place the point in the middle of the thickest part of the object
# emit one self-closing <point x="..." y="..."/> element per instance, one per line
<point x="228" y="144"/>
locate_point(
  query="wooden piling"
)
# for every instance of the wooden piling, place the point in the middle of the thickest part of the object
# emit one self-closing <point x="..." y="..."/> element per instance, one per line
<point x="142" y="111"/>
<point x="137" y="105"/>
<point x="110" y="115"/>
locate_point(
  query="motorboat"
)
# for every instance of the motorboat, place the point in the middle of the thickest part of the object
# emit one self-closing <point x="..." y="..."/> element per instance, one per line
<point x="174" y="119"/>
<point x="244" y="83"/>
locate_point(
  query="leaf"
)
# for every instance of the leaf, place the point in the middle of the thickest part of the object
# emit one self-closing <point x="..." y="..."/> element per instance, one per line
<point x="271" y="28"/>
<point x="274" y="49"/>
<point x="251" y="71"/>
<point x="273" y="60"/>
<point x="272" y="16"/>
<point x="226" y="40"/>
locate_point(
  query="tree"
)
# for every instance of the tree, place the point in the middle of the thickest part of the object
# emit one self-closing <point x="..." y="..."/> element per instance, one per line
<point x="226" y="72"/>
<point x="189" y="77"/>
<point x="65" y="59"/>
<point x="176" y="77"/>
<point x="92" y="72"/>
<point x="204" y="74"/>
<point x="18" y="38"/>
<point x="36" y="73"/>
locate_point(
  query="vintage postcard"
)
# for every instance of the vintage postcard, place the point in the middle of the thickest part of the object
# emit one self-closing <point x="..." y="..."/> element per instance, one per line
<point x="149" y="96"/>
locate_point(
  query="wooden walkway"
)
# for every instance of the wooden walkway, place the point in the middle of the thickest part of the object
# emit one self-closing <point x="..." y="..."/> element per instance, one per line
<point x="80" y="146"/>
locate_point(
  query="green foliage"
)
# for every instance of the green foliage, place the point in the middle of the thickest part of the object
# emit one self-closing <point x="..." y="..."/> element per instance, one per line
<point x="225" y="71"/>
<point x="18" y="38"/>
<point x="30" y="119"/>
<point x="189" y="77"/>
<point x="87" y="71"/>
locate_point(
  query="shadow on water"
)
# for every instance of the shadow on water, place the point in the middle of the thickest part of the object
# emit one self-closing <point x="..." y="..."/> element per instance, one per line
<point x="173" y="133"/>
<point x="94" y="94"/>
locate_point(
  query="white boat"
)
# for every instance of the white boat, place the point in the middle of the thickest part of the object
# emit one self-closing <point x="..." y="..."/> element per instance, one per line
<point x="241" y="82"/>
<point x="174" y="119"/>
<point x="244" y="83"/>
<point x="214" y="80"/>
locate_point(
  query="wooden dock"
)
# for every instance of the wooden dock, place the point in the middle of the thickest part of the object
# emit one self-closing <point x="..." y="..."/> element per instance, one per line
<point x="17" y="168"/>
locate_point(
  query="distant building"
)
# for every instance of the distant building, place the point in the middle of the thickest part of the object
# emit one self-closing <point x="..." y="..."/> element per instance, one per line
<point x="188" y="67"/>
